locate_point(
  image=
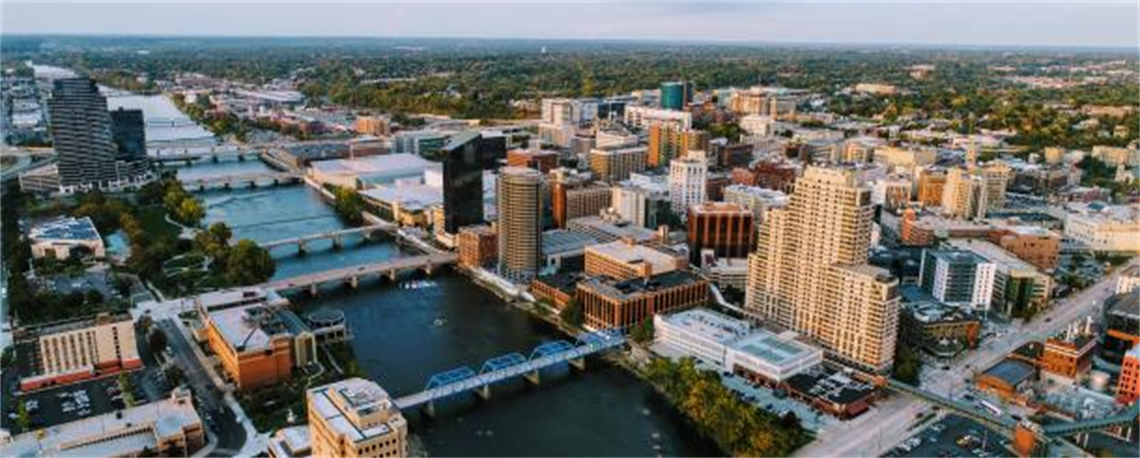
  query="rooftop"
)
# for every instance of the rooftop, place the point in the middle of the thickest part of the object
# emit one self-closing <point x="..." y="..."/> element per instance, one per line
<point x="994" y="253"/>
<point x="132" y="430"/>
<point x="926" y="309"/>
<point x="710" y="325"/>
<point x="1011" y="371"/>
<point x="248" y="329"/>
<point x="406" y="196"/>
<point x="634" y="287"/>
<point x="777" y="349"/>
<point x="632" y="253"/>
<point x="65" y="228"/>
<point x="558" y="241"/>
<point x="345" y="403"/>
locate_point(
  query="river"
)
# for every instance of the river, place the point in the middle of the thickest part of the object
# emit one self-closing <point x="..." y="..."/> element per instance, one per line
<point x="408" y="330"/>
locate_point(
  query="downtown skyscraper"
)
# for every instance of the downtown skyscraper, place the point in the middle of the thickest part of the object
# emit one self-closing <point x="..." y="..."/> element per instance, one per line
<point x="84" y="137"/>
<point x="519" y="195"/>
<point x="809" y="272"/>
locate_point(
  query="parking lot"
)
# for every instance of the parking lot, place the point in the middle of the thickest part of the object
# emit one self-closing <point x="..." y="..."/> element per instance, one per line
<point x="74" y="402"/>
<point x="954" y="436"/>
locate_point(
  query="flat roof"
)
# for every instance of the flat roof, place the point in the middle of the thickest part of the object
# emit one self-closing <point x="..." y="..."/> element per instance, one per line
<point x="994" y="253"/>
<point x="363" y="396"/>
<point x="634" y="287"/>
<point x="710" y="325"/>
<point x="558" y="241"/>
<point x="1011" y="371"/>
<point x="629" y="253"/>
<point x="409" y="197"/>
<point x="249" y="328"/>
<point x="162" y="417"/>
<point x="777" y="349"/>
<point x="65" y="228"/>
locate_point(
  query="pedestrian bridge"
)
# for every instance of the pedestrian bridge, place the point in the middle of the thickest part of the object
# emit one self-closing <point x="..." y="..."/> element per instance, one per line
<point x="352" y="275"/>
<point x="512" y="365"/>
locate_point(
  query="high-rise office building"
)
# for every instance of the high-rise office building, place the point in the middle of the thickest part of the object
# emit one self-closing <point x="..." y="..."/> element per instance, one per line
<point x="355" y="418"/>
<point x="128" y="130"/>
<point x="688" y="179"/>
<point x="809" y="272"/>
<point x="675" y="95"/>
<point x="462" y="182"/>
<point x="958" y="277"/>
<point x="519" y="195"/>
<point x="725" y="228"/>
<point x="667" y="142"/>
<point x="84" y="139"/>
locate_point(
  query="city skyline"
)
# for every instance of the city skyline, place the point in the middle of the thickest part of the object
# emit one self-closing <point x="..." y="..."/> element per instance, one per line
<point x="991" y="24"/>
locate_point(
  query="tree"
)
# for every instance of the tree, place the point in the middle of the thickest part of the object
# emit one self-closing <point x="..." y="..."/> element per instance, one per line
<point x="156" y="339"/>
<point x="190" y="212"/>
<point x="249" y="264"/>
<point x="23" y="418"/>
<point x="572" y="314"/>
<point x="214" y="241"/>
<point x="174" y="375"/>
<point x="643" y="332"/>
<point x="908" y="365"/>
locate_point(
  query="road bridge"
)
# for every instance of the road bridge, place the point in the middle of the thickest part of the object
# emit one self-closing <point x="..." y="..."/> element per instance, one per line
<point x="337" y="237"/>
<point x="251" y="180"/>
<point x="352" y="275"/>
<point x="512" y="365"/>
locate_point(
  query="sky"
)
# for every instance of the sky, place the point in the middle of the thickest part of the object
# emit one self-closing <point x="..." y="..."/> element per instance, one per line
<point x="917" y="22"/>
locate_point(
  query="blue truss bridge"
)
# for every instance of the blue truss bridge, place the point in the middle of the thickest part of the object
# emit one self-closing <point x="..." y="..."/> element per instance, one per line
<point x="509" y="366"/>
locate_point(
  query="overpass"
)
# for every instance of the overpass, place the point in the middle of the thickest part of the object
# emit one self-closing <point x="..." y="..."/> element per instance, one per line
<point x="352" y="275"/>
<point x="337" y="237"/>
<point x="251" y="180"/>
<point x="512" y="365"/>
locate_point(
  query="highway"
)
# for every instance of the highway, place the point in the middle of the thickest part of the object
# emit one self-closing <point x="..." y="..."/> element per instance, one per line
<point x="889" y="423"/>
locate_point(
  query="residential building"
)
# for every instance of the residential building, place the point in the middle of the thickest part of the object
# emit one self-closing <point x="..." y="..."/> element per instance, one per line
<point x="624" y="259"/>
<point x="733" y="345"/>
<point x="169" y="427"/>
<point x="688" y="178"/>
<point x="614" y="165"/>
<point x="667" y="143"/>
<point x="355" y="418"/>
<point x="905" y="158"/>
<point x="931" y="184"/>
<point x="608" y="303"/>
<point x="373" y="125"/>
<point x="65" y="236"/>
<point x="958" y="277"/>
<point x="891" y="192"/>
<point x="758" y="125"/>
<point x="478" y="246"/>
<point x="642" y="117"/>
<point x="519" y="197"/>
<point x="727" y="229"/>
<point x="756" y="199"/>
<point x="779" y="176"/>
<point x="964" y="194"/>
<point x="809" y="271"/>
<point x="1101" y="227"/>
<point x="76" y="350"/>
<point x="83" y="137"/>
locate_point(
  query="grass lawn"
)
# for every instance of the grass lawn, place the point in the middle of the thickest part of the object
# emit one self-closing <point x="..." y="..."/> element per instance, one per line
<point x="153" y="221"/>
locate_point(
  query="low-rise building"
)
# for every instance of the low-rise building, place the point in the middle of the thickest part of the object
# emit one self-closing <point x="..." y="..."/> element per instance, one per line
<point x="355" y="418"/>
<point x="564" y="250"/>
<point x="170" y="427"/>
<point x="63" y="237"/>
<point x="1121" y="326"/>
<point x="1033" y="244"/>
<point x="363" y="172"/>
<point x="831" y="391"/>
<point x="558" y="289"/>
<point x="1128" y="385"/>
<point x="256" y="346"/>
<point x="75" y="350"/>
<point x="728" y="273"/>
<point x="608" y="303"/>
<point x="1128" y="281"/>
<point x="624" y="259"/>
<point x="1008" y="379"/>
<point x="1069" y="354"/>
<point x="610" y="227"/>
<point x="478" y="246"/>
<point x="936" y="327"/>
<point x="290" y="442"/>
<point x="1101" y="227"/>
<point x="733" y="345"/>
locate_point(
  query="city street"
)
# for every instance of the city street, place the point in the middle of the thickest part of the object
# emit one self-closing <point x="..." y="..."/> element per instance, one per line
<point x="890" y="422"/>
<point x="221" y="420"/>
